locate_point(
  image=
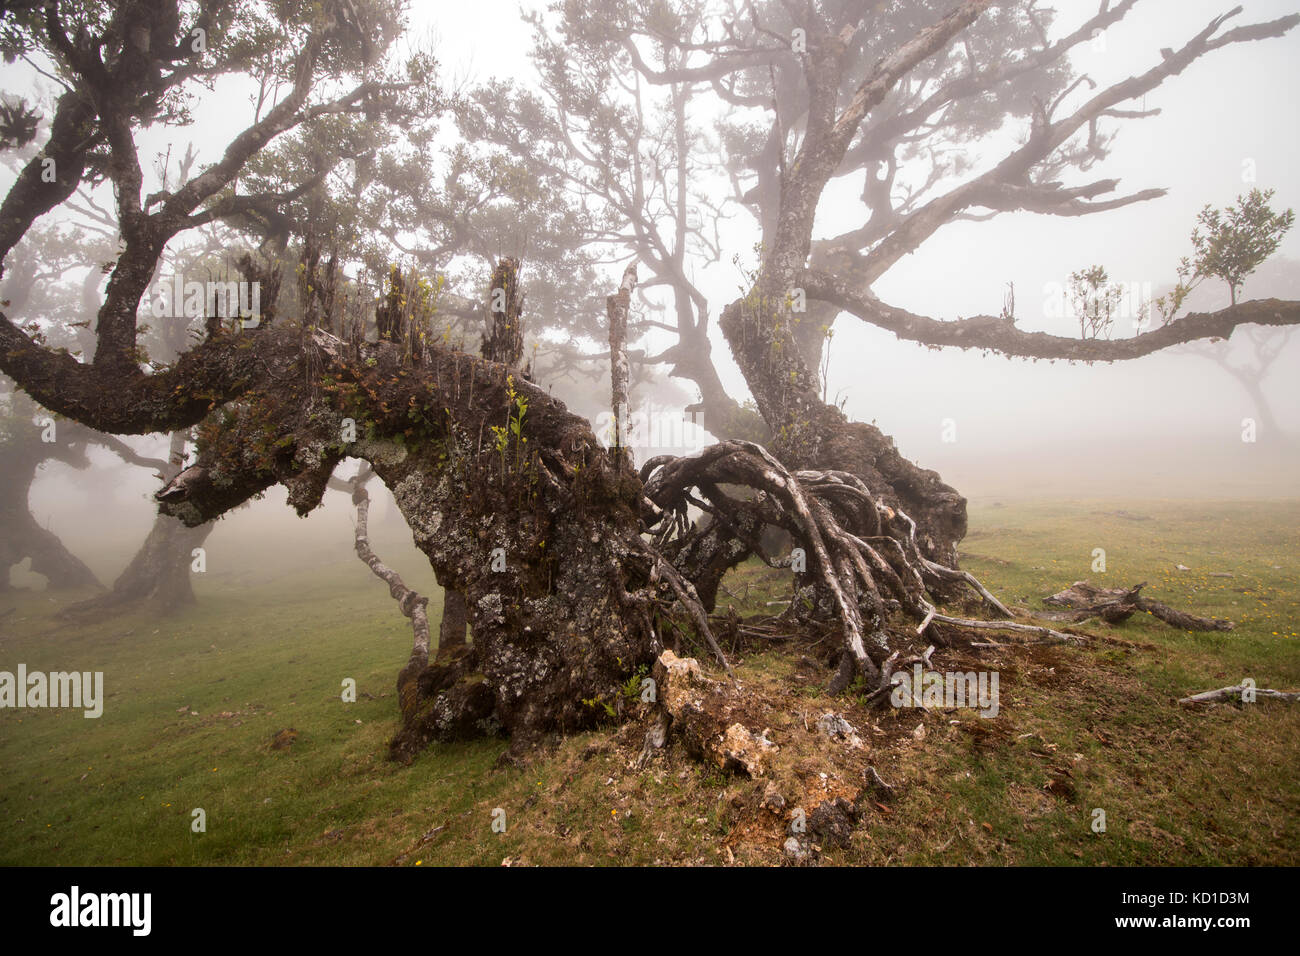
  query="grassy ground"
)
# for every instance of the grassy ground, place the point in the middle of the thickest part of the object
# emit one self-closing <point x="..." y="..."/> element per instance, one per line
<point x="1098" y="729"/>
<point x="194" y="703"/>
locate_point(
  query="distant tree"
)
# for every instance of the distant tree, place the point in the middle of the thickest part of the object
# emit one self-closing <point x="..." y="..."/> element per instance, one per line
<point x="1250" y="356"/>
<point x="30" y="440"/>
<point x="24" y="450"/>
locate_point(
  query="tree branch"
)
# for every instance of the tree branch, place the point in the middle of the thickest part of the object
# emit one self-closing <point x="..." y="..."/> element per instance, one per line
<point x="998" y="334"/>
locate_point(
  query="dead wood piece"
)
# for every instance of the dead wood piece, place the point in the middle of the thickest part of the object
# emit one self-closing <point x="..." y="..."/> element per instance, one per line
<point x="617" y="307"/>
<point x="710" y="717"/>
<point x="1116" y="605"/>
<point x="876" y="781"/>
<point x="1237" y="692"/>
<point x="1176" y="618"/>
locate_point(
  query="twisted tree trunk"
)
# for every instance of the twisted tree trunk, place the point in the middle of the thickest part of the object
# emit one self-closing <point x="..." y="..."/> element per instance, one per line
<point x="25" y="538"/>
<point x="539" y="531"/>
<point x="158" y="576"/>
<point x="809" y="434"/>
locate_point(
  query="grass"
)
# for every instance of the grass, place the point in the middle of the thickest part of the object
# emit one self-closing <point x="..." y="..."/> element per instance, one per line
<point x="194" y="702"/>
<point x="1099" y="728"/>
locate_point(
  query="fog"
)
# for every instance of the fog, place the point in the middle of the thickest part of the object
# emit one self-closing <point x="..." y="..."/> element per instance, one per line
<point x="1169" y="425"/>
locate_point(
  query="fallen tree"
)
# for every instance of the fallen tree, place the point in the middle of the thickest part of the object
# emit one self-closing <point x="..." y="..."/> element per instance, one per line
<point x="574" y="569"/>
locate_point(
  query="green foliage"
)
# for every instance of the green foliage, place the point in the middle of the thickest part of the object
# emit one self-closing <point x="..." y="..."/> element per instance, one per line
<point x="601" y="703"/>
<point x="631" y="688"/>
<point x="513" y="429"/>
<point x="1228" y="244"/>
<point x="1231" y="243"/>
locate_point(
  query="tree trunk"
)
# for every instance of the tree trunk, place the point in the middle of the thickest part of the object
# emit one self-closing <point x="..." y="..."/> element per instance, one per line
<point x="23" y="537"/>
<point x="160" y="573"/>
<point x="455" y="623"/>
<point x="1252" y="385"/>
<point x="809" y="434"/>
<point x="542" y="539"/>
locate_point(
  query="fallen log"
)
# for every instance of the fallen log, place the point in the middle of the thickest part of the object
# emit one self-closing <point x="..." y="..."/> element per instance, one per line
<point x="1116" y="605"/>
<point x="1236" y="692"/>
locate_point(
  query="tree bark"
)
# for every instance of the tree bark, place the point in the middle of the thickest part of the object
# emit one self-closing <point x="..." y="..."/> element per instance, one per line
<point x="560" y="623"/>
<point x="452" y="631"/>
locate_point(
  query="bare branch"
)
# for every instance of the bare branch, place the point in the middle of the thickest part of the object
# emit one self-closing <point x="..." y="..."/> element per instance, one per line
<point x="999" y="334"/>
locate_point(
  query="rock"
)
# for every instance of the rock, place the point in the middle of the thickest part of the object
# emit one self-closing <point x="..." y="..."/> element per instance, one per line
<point x="773" y="799"/>
<point x="834" y="821"/>
<point x="837" y="728"/>
<point x="742" y="748"/>
<point x="682" y="676"/>
<point x="796" y="851"/>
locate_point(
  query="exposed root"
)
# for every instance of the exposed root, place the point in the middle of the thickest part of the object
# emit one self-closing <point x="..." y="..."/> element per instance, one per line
<point x="860" y="555"/>
<point x="1044" y="635"/>
<point x="685" y="592"/>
